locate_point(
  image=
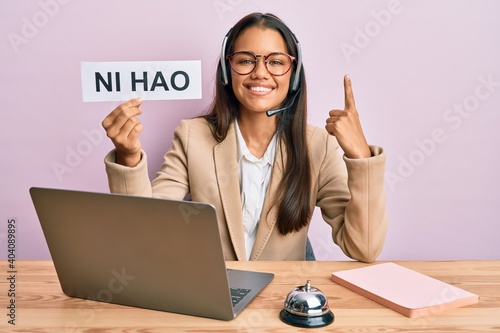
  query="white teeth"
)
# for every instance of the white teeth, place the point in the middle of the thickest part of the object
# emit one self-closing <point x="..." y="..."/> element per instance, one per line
<point x="260" y="89"/>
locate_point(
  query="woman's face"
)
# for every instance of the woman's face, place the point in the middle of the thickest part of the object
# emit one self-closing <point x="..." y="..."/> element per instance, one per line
<point x="259" y="91"/>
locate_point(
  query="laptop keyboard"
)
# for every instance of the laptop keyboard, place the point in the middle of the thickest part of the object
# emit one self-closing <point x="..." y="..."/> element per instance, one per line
<point x="237" y="294"/>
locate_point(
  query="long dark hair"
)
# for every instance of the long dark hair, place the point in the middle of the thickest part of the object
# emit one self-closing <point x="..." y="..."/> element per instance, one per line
<point x="294" y="189"/>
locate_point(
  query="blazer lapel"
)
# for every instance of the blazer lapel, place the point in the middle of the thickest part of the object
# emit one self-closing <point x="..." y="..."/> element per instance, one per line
<point x="226" y="169"/>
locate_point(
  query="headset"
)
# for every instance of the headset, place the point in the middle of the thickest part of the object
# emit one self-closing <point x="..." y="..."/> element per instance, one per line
<point x="294" y="80"/>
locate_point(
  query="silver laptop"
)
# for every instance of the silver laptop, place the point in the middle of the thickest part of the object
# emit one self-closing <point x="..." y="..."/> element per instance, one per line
<point x="150" y="253"/>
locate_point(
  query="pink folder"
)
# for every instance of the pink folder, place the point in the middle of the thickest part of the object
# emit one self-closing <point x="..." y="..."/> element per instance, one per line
<point x="404" y="290"/>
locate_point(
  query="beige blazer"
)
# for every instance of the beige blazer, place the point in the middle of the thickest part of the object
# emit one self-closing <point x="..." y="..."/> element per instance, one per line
<point x="349" y="192"/>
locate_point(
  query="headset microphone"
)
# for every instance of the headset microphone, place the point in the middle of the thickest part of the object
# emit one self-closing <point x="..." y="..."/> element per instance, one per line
<point x="271" y="113"/>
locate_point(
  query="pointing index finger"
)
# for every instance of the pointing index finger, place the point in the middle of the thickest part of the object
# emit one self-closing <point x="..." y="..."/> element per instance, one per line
<point x="349" y="96"/>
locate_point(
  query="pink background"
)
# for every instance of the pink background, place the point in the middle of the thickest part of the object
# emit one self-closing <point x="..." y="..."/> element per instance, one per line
<point x="426" y="78"/>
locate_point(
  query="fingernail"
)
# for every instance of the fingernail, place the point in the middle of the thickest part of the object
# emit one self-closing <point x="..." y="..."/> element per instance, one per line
<point x="347" y="77"/>
<point x="139" y="100"/>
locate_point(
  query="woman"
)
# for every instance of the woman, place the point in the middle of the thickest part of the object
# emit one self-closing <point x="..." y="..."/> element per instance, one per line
<point x="255" y="159"/>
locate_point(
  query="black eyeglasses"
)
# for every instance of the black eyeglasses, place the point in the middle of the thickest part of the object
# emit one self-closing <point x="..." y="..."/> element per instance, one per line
<point x="244" y="62"/>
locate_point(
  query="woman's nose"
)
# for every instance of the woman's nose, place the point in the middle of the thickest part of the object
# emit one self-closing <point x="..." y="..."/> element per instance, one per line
<point x="260" y="70"/>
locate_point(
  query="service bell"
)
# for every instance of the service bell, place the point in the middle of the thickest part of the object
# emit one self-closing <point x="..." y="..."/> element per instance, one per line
<point x="306" y="306"/>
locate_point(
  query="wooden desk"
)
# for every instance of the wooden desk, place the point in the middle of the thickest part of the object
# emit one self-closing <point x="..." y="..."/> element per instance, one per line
<point x="42" y="307"/>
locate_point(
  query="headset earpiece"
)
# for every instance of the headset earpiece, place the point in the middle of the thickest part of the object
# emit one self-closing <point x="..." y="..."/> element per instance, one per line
<point x="223" y="66"/>
<point x="295" y="79"/>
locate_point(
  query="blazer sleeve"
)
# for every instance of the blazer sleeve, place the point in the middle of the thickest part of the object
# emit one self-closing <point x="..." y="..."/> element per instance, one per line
<point x="128" y="180"/>
<point x="352" y="200"/>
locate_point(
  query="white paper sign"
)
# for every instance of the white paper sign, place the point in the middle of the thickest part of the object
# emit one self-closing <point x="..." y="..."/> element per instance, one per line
<point x="151" y="80"/>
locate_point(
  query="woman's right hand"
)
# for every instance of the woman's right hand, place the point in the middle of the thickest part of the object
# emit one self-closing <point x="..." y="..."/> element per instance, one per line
<point x="123" y="128"/>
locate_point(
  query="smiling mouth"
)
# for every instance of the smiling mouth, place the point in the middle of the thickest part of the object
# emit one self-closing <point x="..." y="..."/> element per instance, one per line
<point x="260" y="89"/>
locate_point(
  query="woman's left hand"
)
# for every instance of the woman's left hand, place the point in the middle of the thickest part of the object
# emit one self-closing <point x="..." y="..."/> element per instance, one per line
<point x="345" y="126"/>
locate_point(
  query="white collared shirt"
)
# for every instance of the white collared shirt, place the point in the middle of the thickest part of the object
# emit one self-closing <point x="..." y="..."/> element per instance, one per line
<point x="255" y="175"/>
